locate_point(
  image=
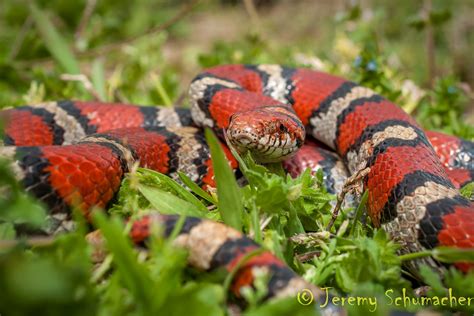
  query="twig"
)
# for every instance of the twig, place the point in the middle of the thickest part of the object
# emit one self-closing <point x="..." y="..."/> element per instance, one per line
<point x="352" y="184"/>
<point x="422" y="290"/>
<point x="20" y="38"/>
<point x="252" y="12"/>
<point x="180" y="100"/>
<point x="211" y="207"/>
<point x="86" y="15"/>
<point x="308" y="256"/>
<point x="86" y="83"/>
<point x="310" y="239"/>
<point x="265" y="221"/>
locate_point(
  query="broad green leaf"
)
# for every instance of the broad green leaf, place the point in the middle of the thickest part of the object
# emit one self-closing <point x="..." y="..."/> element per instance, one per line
<point x="181" y="192"/>
<point x="228" y="192"/>
<point x="168" y="203"/>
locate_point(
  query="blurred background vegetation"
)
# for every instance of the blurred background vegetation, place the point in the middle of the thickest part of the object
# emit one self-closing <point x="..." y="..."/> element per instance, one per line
<point x="417" y="53"/>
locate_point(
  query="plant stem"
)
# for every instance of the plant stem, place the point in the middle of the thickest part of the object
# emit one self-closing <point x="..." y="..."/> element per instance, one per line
<point x="415" y="255"/>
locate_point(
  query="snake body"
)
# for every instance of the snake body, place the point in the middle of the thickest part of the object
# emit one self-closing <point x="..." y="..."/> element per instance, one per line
<point x="213" y="246"/>
<point x="410" y="194"/>
<point x="268" y="110"/>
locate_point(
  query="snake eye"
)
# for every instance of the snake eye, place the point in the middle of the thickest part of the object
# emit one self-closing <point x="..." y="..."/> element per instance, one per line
<point x="283" y="128"/>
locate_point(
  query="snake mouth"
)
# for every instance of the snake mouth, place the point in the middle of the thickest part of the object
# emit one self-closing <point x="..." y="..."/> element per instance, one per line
<point x="270" y="134"/>
<point x="266" y="149"/>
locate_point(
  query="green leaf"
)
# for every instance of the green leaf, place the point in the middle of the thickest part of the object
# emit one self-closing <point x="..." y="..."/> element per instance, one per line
<point x="180" y="191"/>
<point x="55" y="43"/>
<point x="451" y="254"/>
<point x="201" y="299"/>
<point x="228" y="192"/>
<point x="439" y="17"/>
<point x="417" y="23"/>
<point x="25" y="210"/>
<point x="162" y="92"/>
<point x="431" y="278"/>
<point x="98" y="78"/>
<point x="372" y="260"/>
<point x="359" y="211"/>
<point x="468" y="190"/>
<point x="7" y="231"/>
<point x="168" y="203"/>
<point x="195" y="188"/>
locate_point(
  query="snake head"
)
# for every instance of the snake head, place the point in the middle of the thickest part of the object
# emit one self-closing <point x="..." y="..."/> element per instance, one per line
<point x="271" y="133"/>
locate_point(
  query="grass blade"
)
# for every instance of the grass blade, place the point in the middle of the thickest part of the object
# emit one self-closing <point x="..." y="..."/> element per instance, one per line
<point x="359" y="211"/>
<point x="196" y="189"/>
<point x="230" y="203"/>
<point x="98" y="78"/>
<point x="54" y="42"/>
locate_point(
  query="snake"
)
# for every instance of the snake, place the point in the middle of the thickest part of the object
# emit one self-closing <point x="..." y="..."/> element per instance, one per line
<point x="454" y="153"/>
<point x="75" y="154"/>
